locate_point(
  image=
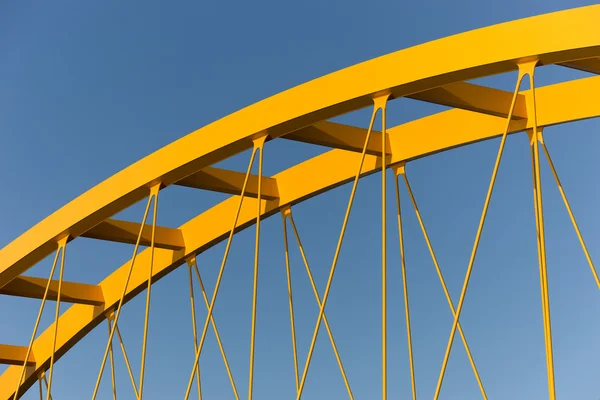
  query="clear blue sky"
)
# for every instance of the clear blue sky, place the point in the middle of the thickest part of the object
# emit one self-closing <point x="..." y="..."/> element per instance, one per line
<point x="87" y="88"/>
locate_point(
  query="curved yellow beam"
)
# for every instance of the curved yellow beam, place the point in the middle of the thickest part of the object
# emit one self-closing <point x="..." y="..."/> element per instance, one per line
<point x="557" y="104"/>
<point x="552" y="38"/>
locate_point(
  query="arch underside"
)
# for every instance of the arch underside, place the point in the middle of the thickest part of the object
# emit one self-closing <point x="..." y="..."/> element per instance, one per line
<point x="559" y="38"/>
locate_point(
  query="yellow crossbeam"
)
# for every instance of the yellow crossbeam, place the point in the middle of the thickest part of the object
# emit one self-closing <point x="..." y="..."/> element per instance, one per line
<point x="126" y="232"/>
<point x="591" y="65"/>
<point x="71" y="292"/>
<point x="226" y="181"/>
<point x="339" y="136"/>
<point x="471" y="97"/>
<point x="15" y="355"/>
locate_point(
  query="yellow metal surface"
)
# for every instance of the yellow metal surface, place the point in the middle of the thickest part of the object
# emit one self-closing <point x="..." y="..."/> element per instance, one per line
<point x="127" y="232"/>
<point x="224" y="181"/>
<point x="15" y="355"/>
<point x="71" y="292"/>
<point x="574" y="35"/>
<point x="299" y="114"/>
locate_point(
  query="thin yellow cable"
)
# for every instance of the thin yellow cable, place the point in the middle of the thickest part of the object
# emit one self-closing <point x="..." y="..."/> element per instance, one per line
<point x="153" y="193"/>
<point x="193" y="304"/>
<point x="325" y="321"/>
<point x="284" y="214"/>
<point x="120" y="304"/>
<point x="63" y="245"/>
<point x="129" y="370"/>
<point x="112" y="365"/>
<point x="542" y="242"/>
<point x="37" y="324"/>
<point x="338" y="247"/>
<point x="570" y="211"/>
<point x="405" y="288"/>
<point x="220" y="276"/>
<point x="214" y="324"/>
<point x="383" y="255"/>
<point x="443" y="282"/>
<point x="259" y="143"/>
<point x="478" y="235"/>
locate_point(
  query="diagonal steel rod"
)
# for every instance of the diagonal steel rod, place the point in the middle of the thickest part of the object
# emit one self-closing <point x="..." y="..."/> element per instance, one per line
<point x="120" y="304"/>
<point x="218" y="336"/>
<point x="405" y="290"/>
<point x="220" y="276"/>
<point x="337" y="251"/>
<point x="443" y="282"/>
<point x="63" y="244"/>
<point x="37" y="324"/>
<point x="570" y="211"/>
<point x="194" y="331"/>
<point x="316" y="293"/>
<point x="284" y="215"/>
<point x="153" y="193"/>
<point x="258" y="143"/>
<point x="478" y="235"/>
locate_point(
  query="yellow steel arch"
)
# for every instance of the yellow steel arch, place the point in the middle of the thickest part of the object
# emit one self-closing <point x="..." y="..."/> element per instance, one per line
<point x="560" y="103"/>
<point x="553" y="38"/>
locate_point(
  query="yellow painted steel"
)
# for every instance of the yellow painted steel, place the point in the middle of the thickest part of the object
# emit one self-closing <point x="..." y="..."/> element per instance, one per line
<point x="568" y="206"/>
<point x="220" y="275"/>
<point x="574" y="36"/>
<point x="125" y="357"/>
<point x="259" y="145"/>
<point x="123" y="292"/>
<point x="523" y="69"/>
<point x="153" y="195"/>
<point x="443" y="282"/>
<point x="214" y="325"/>
<point x="337" y="250"/>
<point x="284" y="214"/>
<point x="190" y="264"/>
<point x="112" y="365"/>
<point x="535" y="132"/>
<point x="381" y="102"/>
<point x="399" y="169"/>
<point x="316" y="292"/>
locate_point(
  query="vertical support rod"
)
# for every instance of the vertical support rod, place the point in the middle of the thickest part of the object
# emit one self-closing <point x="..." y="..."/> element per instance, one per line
<point x="316" y="292"/>
<point x="193" y="308"/>
<point x="220" y="276"/>
<point x="397" y="171"/>
<point x="284" y="214"/>
<point x="443" y="282"/>
<point x="382" y="104"/>
<point x="569" y="210"/>
<point x="479" y="230"/>
<point x="46" y="383"/>
<point x="40" y="386"/>
<point x="112" y="364"/>
<point x="153" y="193"/>
<point x="338" y="248"/>
<point x="121" y="300"/>
<point x="535" y="137"/>
<point x="259" y="144"/>
<point x="62" y="243"/>
<point x="214" y="325"/>
<point x="37" y="324"/>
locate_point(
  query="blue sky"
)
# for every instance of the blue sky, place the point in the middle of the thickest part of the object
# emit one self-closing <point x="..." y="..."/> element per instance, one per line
<point x="87" y="88"/>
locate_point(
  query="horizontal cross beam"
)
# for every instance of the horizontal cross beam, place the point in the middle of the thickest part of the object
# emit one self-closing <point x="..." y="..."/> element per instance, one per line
<point x="226" y="181"/>
<point x="471" y="97"/>
<point x="114" y="230"/>
<point x="339" y="136"/>
<point x="591" y="65"/>
<point x="15" y="355"/>
<point x="71" y="292"/>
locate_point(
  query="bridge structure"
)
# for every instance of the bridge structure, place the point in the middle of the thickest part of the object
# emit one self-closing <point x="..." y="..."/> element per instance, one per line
<point x="436" y="72"/>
